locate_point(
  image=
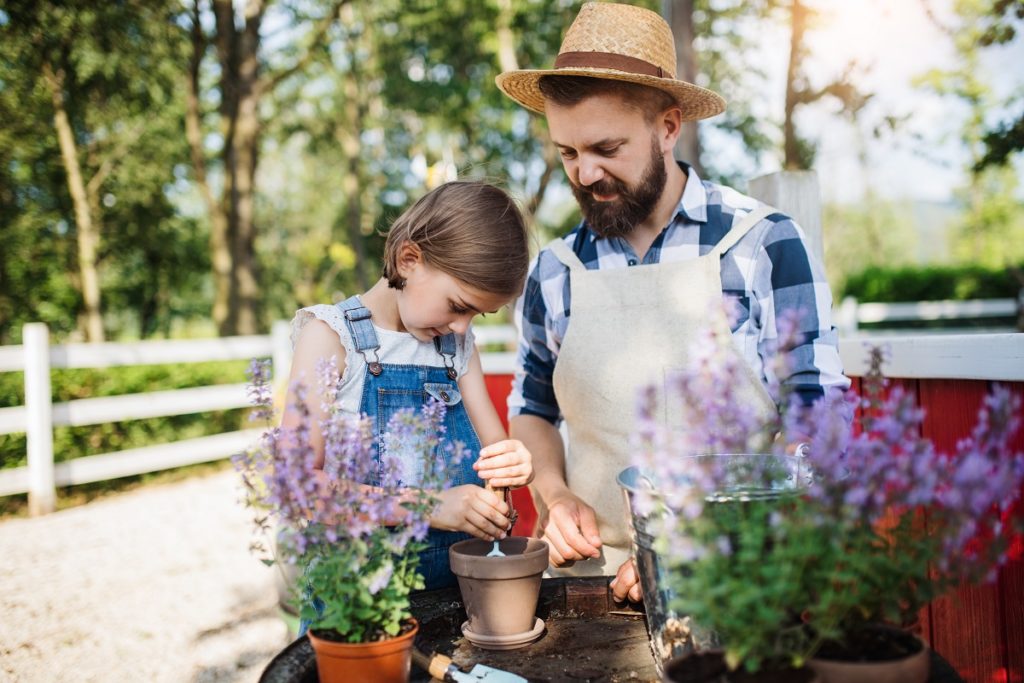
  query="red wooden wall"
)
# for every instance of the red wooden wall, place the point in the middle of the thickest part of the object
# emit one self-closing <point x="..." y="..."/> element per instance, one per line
<point x="979" y="630"/>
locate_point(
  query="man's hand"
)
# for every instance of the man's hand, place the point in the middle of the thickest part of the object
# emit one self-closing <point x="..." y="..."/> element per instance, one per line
<point x="626" y="583"/>
<point x="571" y="531"/>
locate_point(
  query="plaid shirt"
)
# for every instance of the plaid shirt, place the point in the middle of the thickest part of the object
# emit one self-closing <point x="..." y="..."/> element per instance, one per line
<point x="769" y="271"/>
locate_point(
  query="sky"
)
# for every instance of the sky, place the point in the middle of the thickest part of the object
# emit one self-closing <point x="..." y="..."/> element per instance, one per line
<point x="894" y="41"/>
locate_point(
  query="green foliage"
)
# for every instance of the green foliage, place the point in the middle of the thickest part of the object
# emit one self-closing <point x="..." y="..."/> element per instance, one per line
<point x="753" y="587"/>
<point x="930" y="283"/>
<point x="119" y="67"/>
<point x="875" y="231"/>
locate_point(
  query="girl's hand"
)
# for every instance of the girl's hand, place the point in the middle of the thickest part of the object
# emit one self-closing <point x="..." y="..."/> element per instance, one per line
<point x="471" y="509"/>
<point x="505" y="464"/>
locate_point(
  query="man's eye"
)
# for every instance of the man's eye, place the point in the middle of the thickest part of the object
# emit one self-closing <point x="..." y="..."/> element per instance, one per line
<point x="608" y="151"/>
<point x="568" y="154"/>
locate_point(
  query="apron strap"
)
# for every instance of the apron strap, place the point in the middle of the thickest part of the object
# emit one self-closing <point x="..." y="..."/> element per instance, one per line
<point x="565" y="254"/>
<point x="744" y="226"/>
<point x="360" y="328"/>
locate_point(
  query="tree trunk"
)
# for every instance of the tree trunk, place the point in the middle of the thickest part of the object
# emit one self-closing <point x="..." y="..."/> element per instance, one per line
<point x="791" y="143"/>
<point x="679" y="14"/>
<point x="347" y="133"/>
<point x="243" y="197"/>
<point x="88" y="236"/>
<point x="220" y="253"/>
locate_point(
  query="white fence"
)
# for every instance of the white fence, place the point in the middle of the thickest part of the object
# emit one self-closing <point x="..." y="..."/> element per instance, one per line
<point x="851" y="314"/>
<point x="989" y="356"/>
<point x="39" y="415"/>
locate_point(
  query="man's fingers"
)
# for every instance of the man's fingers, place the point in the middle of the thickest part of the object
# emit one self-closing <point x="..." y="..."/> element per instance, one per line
<point x="626" y="583"/>
<point x="556" y="544"/>
<point x="588" y="526"/>
<point x="580" y="545"/>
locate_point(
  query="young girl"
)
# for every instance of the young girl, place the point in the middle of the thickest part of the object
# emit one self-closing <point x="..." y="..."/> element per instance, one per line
<point x="461" y="250"/>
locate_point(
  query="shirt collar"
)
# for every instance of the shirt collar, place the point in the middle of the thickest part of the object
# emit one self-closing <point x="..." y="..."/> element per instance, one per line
<point x="693" y="205"/>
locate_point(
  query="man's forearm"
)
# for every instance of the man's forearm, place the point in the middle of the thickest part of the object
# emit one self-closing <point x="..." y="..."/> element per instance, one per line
<point x="545" y="444"/>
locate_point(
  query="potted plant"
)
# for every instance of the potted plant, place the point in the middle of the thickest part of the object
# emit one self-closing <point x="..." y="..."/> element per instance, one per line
<point x="786" y="562"/>
<point x="357" y="570"/>
<point x="910" y="522"/>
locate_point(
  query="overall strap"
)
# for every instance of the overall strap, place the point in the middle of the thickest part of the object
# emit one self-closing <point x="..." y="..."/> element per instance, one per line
<point x="360" y="327"/>
<point x="565" y="254"/>
<point x="744" y="226"/>
<point x="445" y="346"/>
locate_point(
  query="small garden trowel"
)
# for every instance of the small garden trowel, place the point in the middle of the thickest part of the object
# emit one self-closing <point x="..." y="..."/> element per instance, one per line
<point x="442" y="668"/>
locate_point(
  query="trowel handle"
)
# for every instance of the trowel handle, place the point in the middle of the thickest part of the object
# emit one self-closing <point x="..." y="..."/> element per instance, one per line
<point x="506" y="495"/>
<point x="439" y="666"/>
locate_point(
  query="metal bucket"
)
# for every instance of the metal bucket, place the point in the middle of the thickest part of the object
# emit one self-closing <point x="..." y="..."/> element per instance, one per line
<point x="751" y="477"/>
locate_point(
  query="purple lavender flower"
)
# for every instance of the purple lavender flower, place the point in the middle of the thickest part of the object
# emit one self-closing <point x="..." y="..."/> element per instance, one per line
<point x="354" y="509"/>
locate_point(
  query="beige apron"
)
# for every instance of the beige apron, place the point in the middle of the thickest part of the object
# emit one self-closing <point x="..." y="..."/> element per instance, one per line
<point x="628" y="328"/>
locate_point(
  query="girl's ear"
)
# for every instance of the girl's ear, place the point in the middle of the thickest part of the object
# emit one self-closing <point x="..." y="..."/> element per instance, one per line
<point x="409" y="256"/>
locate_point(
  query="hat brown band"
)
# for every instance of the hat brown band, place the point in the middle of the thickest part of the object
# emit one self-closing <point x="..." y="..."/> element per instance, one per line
<point x="607" y="60"/>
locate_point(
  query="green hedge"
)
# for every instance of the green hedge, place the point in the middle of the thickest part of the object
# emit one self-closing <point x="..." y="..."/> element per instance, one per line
<point x="75" y="442"/>
<point x="930" y="283"/>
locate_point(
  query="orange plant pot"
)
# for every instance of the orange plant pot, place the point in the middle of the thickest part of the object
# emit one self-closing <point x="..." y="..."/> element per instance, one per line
<point x="382" y="661"/>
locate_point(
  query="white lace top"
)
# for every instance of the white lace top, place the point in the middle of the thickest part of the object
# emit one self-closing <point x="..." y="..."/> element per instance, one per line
<point x="397" y="348"/>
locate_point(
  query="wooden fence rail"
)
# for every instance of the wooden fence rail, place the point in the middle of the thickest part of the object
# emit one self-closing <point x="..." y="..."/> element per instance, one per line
<point x="978" y="357"/>
<point x="851" y="314"/>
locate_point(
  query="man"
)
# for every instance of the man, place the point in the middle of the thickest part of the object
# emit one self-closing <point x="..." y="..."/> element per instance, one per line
<point x="616" y="303"/>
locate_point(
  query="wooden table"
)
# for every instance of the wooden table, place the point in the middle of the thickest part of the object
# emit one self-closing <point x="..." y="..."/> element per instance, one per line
<point x="587" y="638"/>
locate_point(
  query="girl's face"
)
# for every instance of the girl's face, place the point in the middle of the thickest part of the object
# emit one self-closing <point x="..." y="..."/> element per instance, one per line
<point x="433" y="303"/>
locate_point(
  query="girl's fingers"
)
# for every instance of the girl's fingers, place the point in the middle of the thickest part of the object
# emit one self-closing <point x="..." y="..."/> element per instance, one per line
<point x="499" y="447"/>
<point x="497" y="461"/>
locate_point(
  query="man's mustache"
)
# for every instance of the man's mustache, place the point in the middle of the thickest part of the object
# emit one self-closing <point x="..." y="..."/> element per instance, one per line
<point x="603" y="187"/>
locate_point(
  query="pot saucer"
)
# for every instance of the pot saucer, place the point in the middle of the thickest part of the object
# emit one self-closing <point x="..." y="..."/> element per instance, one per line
<point x="504" y="642"/>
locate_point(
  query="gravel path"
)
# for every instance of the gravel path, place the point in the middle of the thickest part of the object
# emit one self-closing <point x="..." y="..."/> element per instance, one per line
<point x="157" y="584"/>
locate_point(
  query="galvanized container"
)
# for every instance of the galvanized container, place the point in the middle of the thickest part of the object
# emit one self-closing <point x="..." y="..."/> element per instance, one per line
<point x="749" y="477"/>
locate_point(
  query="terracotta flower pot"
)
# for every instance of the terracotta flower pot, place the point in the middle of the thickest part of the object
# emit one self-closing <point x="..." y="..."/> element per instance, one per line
<point x="382" y="661"/>
<point x="848" y="665"/>
<point x="709" y="667"/>
<point x="500" y="593"/>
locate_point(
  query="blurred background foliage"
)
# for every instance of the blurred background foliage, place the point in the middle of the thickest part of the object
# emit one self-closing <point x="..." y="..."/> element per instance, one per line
<point x="176" y="168"/>
<point x="188" y="168"/>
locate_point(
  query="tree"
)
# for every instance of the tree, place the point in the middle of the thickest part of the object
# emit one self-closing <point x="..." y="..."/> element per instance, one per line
<point x="798" y="152"/>
<point x="989" y="233"/>
<point x="243" y="79"/>
<point x="102" y="76"/>
<point x="1000" y="24"/>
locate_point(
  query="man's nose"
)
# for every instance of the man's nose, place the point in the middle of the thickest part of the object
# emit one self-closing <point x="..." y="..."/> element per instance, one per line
<point x="589" y="171"/>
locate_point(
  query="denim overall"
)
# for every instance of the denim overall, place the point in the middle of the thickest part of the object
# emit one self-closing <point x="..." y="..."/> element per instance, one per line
<point x="388" y="388"/>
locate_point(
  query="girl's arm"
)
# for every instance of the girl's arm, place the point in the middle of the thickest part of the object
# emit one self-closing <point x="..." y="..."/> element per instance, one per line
<point x="503" y="462"/>
<point x="463" y="508"/>
<point x="478" y="403"/>
<point x="316" y="341"/>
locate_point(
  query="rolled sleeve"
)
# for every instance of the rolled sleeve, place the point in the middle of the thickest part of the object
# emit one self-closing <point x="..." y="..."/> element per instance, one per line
<point x="532" y="390"/>
<point x="800" y="293"/>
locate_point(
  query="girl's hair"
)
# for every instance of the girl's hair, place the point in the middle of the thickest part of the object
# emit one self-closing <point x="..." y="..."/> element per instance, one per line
<point x="569" y="91"/>
<point x="470" y="230"/>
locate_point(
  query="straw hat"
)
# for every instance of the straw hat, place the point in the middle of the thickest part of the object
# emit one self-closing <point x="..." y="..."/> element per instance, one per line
<point x="622" y="43"/>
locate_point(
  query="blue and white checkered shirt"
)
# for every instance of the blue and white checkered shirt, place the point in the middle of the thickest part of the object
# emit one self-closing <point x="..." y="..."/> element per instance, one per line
<point x="769" y="271"/>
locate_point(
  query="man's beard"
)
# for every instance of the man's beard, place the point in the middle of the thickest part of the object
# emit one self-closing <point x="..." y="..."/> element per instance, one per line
<point x="633" y="205"/>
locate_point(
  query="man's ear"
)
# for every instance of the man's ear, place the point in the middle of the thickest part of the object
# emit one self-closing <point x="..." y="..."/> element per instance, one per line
<point x="670" y="127"/>
<point x="409" y="255"/>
